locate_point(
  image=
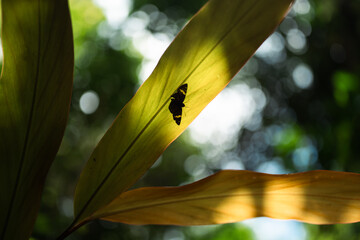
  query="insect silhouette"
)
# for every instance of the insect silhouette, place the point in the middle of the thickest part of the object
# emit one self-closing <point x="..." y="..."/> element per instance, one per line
<point x="177" y="103"/>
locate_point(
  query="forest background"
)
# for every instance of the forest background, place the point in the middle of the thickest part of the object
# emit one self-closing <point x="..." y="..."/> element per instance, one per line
<point x="294" y="107"/>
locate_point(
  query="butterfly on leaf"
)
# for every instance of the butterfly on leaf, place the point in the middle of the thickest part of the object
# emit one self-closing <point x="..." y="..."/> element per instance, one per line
<point x="177" y="103"/>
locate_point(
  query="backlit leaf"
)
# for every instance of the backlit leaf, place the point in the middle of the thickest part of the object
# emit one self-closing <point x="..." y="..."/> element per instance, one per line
<point x="319" y="197"/>
<point x="210" y="50"/>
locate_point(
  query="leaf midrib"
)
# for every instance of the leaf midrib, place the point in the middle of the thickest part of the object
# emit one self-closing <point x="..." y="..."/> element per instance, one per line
<point x="199" y="198"/>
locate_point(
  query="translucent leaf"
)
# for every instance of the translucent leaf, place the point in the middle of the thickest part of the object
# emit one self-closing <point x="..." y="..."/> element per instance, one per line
<point x="318" y="197"/>
<point x="210" y="50"/>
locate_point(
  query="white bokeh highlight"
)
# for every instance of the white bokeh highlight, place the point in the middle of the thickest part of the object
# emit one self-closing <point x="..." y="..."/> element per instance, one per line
<point x="116" y="11"/>
<point x="272" y="229"/>
<point x="220" y="122"/>
<point x="89" y="102"/>
<point x="301" y="7"/>
<point x="302" y="76"/>
<point x="272" y="49"/>
<point x="296" y="41"/>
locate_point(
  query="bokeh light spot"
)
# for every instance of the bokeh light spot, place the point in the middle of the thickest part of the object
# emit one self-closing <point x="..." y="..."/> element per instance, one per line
<point x="301" y="6"/>
<point x="296" y="41"/>
<point x="272" y="50"/>
<point x="289" y="230"/>
<point x="304" y="157"/>
<point x="302" y="76"/>
<point x="115" y="11"/>
<point x="221" y="120"/>
<point x="194" y="165"/>
<point x="89" y="102"/>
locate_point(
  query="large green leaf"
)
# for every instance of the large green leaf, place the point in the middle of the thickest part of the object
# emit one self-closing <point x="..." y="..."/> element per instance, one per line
<point x="210" y="50"/>
<point x="35" y="91"/>
<point x="320" y="197"/>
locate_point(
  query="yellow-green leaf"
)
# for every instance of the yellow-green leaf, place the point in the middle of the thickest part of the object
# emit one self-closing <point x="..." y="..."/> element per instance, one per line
<point x="319" y="197"/>
<point x="35" y="91"/>
<point x="210" y="50"/>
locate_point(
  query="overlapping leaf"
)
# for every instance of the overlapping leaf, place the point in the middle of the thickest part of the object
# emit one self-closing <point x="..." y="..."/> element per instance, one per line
<point x="211" y="49"/>
<point x="319" y="197"/>
<point x="35" y="90"/>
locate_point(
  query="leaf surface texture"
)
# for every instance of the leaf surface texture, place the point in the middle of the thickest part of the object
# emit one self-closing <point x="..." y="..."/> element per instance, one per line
<point x="35" y="91"/>
<point x="205" y="55"/>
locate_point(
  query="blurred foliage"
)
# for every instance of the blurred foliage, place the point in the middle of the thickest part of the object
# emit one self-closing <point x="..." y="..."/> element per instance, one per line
<point x="301" y="128"/>
<point x="315" y="127"/>
<point x="227" y="231"/>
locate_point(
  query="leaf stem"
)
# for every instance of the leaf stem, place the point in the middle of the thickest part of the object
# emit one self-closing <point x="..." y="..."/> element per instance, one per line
<point x="72" y="228"/>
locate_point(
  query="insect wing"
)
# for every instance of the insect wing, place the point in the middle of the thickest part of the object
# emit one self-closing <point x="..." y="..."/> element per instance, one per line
<point x="173" y="106"/>
<point x="182" y="92"/>
<point x="177" y="116"/>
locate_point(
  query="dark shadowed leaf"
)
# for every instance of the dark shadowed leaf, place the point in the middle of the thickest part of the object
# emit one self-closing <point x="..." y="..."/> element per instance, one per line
<point x="35" y="90"/>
